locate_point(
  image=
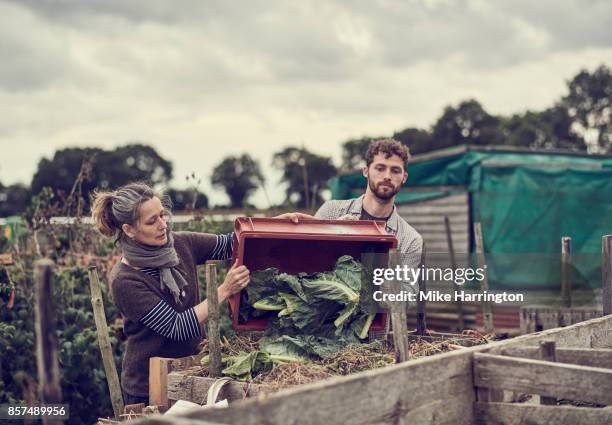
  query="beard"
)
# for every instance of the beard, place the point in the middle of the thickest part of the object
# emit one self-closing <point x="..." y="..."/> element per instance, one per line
<point x="380" y="193"/>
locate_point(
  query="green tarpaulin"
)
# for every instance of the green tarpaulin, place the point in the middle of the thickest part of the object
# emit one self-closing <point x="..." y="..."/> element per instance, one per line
<point x="526" y="202"/>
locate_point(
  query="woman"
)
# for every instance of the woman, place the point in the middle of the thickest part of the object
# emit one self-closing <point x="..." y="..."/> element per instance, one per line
<point x="155" y="285"/>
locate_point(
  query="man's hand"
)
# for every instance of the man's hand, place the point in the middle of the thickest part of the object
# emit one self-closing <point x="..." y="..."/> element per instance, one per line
<point x="349" y="217"/>
<point x="295" y="217"/>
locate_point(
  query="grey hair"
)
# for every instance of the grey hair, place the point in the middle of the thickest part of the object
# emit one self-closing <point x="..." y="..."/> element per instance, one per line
<point x="111" y="210"/>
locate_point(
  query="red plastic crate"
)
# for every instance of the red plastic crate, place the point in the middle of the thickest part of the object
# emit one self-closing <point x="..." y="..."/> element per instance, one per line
<point x="310" y="246"/>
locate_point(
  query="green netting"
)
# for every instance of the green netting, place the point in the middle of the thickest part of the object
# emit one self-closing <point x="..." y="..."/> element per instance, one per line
<point x="525" y="211"/>
<point x="526" y="202"/>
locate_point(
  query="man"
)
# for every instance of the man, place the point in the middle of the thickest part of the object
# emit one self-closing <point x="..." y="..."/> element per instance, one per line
<point x="386" y="172"/>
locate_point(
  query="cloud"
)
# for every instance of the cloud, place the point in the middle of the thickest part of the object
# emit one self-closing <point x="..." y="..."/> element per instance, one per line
<point x="33" y="56"/>
<point x="201" y="80"/>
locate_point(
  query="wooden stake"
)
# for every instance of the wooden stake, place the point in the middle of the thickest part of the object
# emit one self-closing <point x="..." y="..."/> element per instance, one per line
<point x="566" y="271"/>
<point x="453" y="264"/>
<point x="547" y="353"/>
<point x="398" y="316"/>
<point x="50" y="391"/>
<point x="606" y="273"/>
<point x="214" y="336"/>
<point x="159" y="367"/>
<point x="421" y="304"/>
<point x="106" y="349"/>
<point x="487" y="314"/>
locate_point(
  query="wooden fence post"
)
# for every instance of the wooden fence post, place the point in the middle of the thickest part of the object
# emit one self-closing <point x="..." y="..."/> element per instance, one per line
<point x="453" y="264"/>
<point x="606" y="273"/>
<point x="214" y="335"/>
<point x="421" y="320"/>
<point x="566" y="271"/>
<point x="49" y="389"/>
<point x="398" y="316"/>
<point x="547" y="353"/>
<point x="106" y="348"/>
<point x="487" y="315"/>
<point x="159" y="367"/>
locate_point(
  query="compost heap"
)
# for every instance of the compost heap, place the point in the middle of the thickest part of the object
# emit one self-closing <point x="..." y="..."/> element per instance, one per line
<point x="312" y="316"/>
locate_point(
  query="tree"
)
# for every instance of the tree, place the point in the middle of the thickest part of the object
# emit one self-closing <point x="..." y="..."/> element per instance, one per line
<point x="354" y="152"/>
<point x="239" y="177"/>
<point x="130" y="163"/>
<point x="589" y="104"/>
<point x="549" y="129"/>
<point x="14" y="199"/>
<point x="109" y="170"/>
<point x="60" y="172"/>
<point x="469" y="123"/>
<point x="417" y="140"/>
<point x="303" y="169"/>
<point x="183" y="200"/>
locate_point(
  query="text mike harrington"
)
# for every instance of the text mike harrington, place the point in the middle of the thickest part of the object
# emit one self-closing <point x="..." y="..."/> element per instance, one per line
<point x="457" y="276"/>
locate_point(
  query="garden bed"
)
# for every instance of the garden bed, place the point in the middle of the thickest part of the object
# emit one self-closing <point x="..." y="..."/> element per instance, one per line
<point x="187" y="379"/>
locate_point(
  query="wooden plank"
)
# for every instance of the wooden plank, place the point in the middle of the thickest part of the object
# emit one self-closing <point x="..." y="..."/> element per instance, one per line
<point x="195" y="388"/>
<point x="547" y="353"/>
<point x="549" y="379"/>
<point x="501" y="163"/>
<point x="6" y="259"/>
<point x="421" y="318"/>
<point x="433" y="188"/>
<point x="566" y="271"/>
<point x="453" y="264"/>
<point x="606" y="273"/>
<point x="159" y="367"/>
<point x="132" y="409"/>
<point x="106" y="348"/>
<point x="434" y="210"/>
<point x="174" y="420"/>
<point x="422" y="392"/>
<point x="445" y="378"/>
<point x="398" y="314"/>
<point x="439" y="153"/>
<point x="214" y="337"/>
<point x="526" y="414"/>
<point x="595" y="333"/>
<point x="49" y="389"/>
<point x="535" y="318"/>
<point x="487" y="315"/>
<point x="185" y="362"/>
<point x="592" y="357"/>
<point x="456" y="219"/>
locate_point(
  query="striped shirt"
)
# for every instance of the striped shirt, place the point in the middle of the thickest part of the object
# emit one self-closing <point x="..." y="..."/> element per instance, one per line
<point x="169" y="323"/>
<point x="151" y="272"/>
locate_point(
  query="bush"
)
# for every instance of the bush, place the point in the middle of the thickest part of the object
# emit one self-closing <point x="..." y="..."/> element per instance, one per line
<point x="83" y="380"/>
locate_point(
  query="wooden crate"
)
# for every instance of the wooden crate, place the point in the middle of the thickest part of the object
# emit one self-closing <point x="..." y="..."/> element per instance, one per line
<point x="466" y="386"/>
<point x="537" y="318"/>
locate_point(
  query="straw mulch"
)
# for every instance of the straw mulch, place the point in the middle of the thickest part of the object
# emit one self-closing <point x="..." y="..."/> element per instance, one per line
<point x="352" y="359"/>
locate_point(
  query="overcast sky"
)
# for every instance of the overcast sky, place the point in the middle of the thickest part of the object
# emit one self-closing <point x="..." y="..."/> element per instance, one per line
<point x="200" y="80"/>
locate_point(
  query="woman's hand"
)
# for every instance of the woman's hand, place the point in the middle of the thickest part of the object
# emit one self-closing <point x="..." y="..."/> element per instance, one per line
<point x="237" y="278"/>
<point x="295" y="217"/>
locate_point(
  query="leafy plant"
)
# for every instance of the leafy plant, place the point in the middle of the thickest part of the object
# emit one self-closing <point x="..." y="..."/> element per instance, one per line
<point x="311" y="304"/>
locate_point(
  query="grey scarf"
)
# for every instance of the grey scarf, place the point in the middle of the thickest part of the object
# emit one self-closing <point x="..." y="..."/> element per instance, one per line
<point x="163" y="258"/>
